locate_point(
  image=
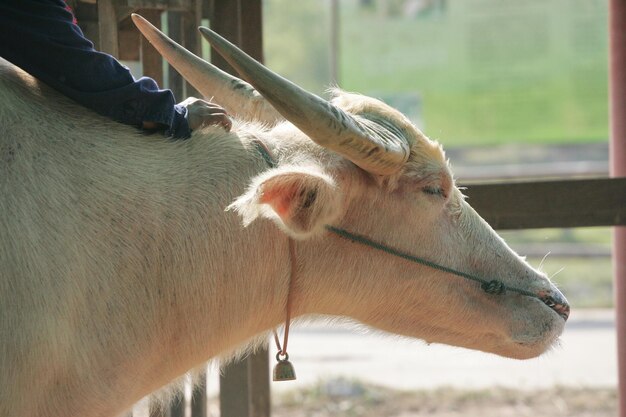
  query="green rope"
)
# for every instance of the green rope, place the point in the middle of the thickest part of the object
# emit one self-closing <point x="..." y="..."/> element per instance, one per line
<point x="493" y="286"/>
<point x="261" y="147"/>
<point x="490" y="286"/>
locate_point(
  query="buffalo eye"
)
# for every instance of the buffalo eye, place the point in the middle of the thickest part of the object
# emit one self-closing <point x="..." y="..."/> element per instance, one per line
<point x="437" y="191"/>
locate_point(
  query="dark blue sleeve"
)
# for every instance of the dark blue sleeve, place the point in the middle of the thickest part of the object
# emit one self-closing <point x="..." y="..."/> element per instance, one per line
<point x="42" y="37"/>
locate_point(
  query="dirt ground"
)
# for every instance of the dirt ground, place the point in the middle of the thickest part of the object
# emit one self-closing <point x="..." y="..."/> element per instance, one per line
<point x="353" y="399"/>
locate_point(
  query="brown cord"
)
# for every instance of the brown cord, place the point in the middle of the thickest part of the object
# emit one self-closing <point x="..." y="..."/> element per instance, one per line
<point x="292" y="258"/>
<point x="267" y="156"/>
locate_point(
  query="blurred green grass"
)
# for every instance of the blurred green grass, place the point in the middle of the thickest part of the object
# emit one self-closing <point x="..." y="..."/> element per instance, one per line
<point x="526" y="73"/>
<point x="485" y="71"/>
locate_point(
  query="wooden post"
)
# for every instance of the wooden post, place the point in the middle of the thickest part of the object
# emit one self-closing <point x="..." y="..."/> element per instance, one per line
<point x="259" y="382"/>
<point x="107" y="27"/>
<point x="183" y="28"/>
<point x="156" y="411"/>
<point x="129" y="43"/>
<point x="199" y="398"/>
<point x="617" y="106"/>
<point x="226" y="20"/>
<point x="175" y="31"/>
<point x="191" y="38"/>
<point x="150" y="58"/>
<point x="252" y="28"/>
<point x="234" y="390"/>
<point x="177" y="408"/>
<point x="244" y="387"/>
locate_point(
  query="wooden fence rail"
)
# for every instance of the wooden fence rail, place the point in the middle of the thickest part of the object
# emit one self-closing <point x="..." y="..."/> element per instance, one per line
<point x="558" y="203"/>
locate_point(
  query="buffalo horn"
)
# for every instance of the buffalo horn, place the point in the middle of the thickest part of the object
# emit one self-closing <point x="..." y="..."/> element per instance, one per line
<point x="238" y="97"/>
<point x="372" y="146"/>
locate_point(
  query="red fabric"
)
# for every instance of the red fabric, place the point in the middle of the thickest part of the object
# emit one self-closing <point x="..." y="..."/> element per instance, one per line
<point x="69" y="9"/>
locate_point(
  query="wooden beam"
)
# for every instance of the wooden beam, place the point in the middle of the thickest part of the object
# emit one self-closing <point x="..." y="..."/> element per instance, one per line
<point x="176" y="5"/>
<point x="177" y="408"/>
<point x="191" y="39"/>
<point x="199" y="398"/>
<point x="244" y="387"/>
<point x="252" y="28"/>
<point x="563" y="203"/>
<point x="175" y="31"/>
<point x="87" y="16"/>
<point x="150" y="58"/>
<point x="123" y="12"/>
<point x="129" y="45"/>
<point x="259" y="381"/>
<point x="226" y="20"/>
<point x="234" y="390"/>
<point x="107" y="27"/>
<point x="156" y="410"/>
<point x="85" y="12"/>
<point x="91" y="30"/>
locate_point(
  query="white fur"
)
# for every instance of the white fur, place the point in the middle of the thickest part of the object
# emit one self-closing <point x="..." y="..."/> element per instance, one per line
<point x="120" y="268"/>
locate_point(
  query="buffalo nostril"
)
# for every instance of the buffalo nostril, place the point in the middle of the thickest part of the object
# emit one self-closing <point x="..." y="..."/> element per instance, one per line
<point x="556" y="301"/>
<point x="560" y="306"/>
<point x="563" y="310"/>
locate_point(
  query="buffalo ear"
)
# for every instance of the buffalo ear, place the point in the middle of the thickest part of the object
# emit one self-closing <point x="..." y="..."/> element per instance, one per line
<point x="299" y="200"/>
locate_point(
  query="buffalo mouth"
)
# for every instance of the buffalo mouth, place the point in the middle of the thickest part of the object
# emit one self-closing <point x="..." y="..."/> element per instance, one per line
<point x="557" y="302"/>
<point x="561" y="308"/>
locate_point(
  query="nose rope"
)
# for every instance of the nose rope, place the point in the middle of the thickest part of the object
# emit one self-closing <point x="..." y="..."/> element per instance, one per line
<point x="284" y="369"/>
<point x="493" y="286"/>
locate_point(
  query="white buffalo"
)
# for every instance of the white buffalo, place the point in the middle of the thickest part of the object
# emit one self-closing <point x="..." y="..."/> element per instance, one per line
<point x="124" y="262"/>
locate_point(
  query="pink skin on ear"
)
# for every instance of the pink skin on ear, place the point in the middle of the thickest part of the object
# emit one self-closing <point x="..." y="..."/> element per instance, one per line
<point x="280" y="200"/>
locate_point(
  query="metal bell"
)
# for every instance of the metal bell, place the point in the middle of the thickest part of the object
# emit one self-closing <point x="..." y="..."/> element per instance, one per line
<point x="283" y="370"/>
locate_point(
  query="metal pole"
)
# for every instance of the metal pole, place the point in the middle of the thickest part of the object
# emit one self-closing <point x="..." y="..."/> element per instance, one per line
<point x="617" y="105"/>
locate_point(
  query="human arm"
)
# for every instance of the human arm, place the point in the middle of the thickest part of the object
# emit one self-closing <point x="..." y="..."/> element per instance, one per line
<point x="42" y="37"/>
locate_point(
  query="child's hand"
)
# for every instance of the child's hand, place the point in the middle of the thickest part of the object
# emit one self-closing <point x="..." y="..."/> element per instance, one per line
<point x="203" y="113"/>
